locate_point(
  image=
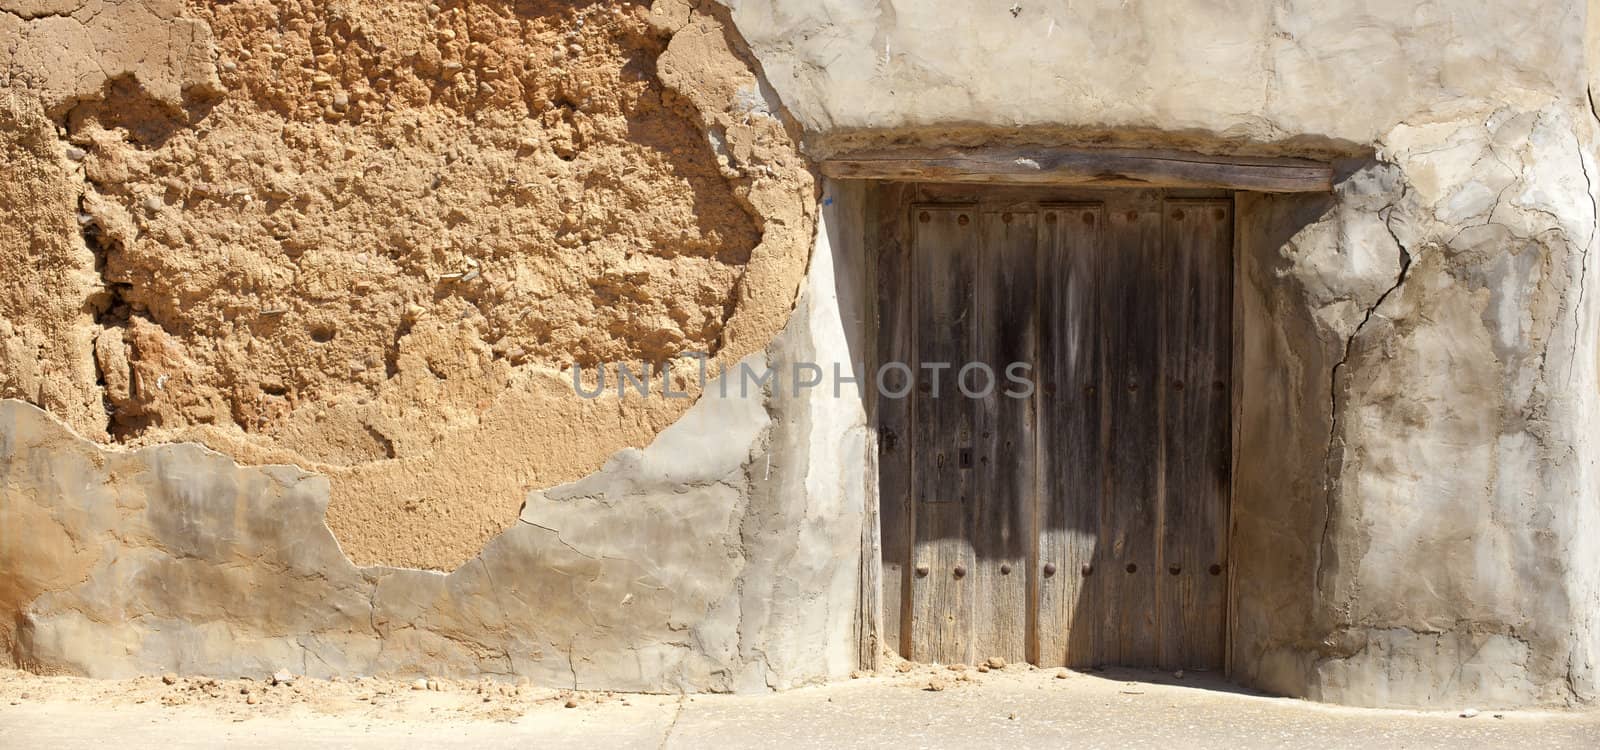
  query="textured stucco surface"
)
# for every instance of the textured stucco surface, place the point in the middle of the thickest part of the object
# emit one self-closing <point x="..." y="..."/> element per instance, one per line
<point x="723" y="556"/>
<point x="175" y="558"/>
<point x="1424" y="537"/>
<point x="1258" y="72"/>
<point x="1415" y="495"/>
<point x="1415" y="489"/>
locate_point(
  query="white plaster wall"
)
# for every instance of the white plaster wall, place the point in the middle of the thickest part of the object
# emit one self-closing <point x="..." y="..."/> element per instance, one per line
<point x="1417" y="498"/>
<point x="809" y="487"/>
<point x="1346" y="70"/>
<point x="1414" y="480"/>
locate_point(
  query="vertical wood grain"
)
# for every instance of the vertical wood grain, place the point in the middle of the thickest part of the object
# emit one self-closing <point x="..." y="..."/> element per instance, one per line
<point x="1000" y="517"/>
<point x="1120" y="459"/>
<point x="1071" y="608"/>
<point x="1198" y="345"/>
<point x="944" y="255"/>
<point x="896" y="324"/>
<point x="1130" y="326"/>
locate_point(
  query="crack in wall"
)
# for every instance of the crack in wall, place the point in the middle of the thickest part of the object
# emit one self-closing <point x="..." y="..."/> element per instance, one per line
<point x="572" y="657"/>
<point x="107" y="300"/>
<point x="1387" y="215"/>
<point x="1594" y="207"/>
<point x="558" y="538"/>
<point x="500" y="608"/>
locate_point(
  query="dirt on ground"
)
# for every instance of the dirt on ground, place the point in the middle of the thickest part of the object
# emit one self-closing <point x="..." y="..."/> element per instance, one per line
<point x="282" y="692"/>
<point x="912" y="705"/>
<point x="370" y="238"/>
<point x="265" y="695"/>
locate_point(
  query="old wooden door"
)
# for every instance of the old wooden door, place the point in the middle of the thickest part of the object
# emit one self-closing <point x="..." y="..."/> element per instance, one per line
<point x="1055" y="480"/>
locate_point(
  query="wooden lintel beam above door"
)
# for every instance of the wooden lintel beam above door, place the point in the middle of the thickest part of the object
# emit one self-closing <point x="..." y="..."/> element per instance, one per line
<point x="1087" y="167"/>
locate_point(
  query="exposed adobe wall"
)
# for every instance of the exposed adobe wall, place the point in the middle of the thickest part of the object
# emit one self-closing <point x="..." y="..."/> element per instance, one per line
<point x="722" y="556"/>
<point x="363" y="241"/>
<point x="367" y="238"/>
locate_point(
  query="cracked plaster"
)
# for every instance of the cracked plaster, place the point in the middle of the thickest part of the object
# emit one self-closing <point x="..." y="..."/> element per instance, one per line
<point x="698" y="563"/>
<point x="1415" y="492"/>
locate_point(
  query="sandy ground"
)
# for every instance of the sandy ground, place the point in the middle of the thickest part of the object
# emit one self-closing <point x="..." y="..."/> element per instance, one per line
<point x="1014" y="707"/>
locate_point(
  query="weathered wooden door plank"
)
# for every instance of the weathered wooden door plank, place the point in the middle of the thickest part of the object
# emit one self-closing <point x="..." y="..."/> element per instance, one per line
<point x="1130" y="315"/>
<point x="896" y="325"/>
<point x="1000" y="517"/>
<point x="1123" y="496"/>
<point x="944" y="263"/>
<point x="1071" y="609"/>
<point x="1198" y="343"/>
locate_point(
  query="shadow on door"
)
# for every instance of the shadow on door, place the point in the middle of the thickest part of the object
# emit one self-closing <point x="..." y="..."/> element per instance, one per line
<point x="1054" y="474"/>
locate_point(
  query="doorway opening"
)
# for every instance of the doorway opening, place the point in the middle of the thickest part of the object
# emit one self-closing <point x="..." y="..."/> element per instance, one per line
<point x="1054" y="484"/>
